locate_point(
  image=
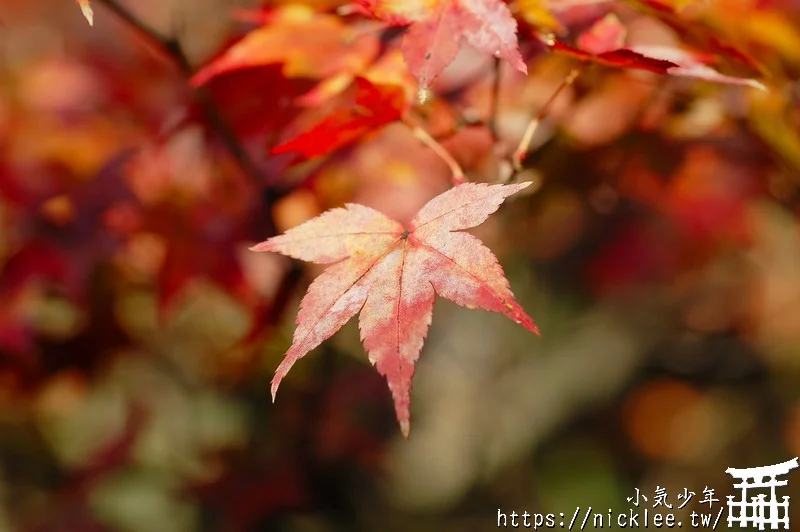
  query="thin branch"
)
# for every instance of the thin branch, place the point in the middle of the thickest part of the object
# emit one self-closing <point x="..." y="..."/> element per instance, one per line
<point x="173" y="49"/>
<point x="164" y="43"/>
<point x="494" y="101"/>
<point x="426" y="138"/>
<point x="521" y="152"/>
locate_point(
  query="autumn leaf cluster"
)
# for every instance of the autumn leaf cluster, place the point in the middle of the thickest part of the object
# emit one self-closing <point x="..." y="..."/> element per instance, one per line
<point x="335" y="79"/>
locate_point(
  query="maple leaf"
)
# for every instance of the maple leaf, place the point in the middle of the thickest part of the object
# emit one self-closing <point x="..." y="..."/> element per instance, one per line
<point x="370" y="107"/>
<point x="438" y="27"/>
<point x="255" y="100"/>
<point x="603" y="44"/>
<point x="307" y="45"/>
<point x="86" y="9"/>
<point x="391" y="275"/>
<point x="695" y="34"/>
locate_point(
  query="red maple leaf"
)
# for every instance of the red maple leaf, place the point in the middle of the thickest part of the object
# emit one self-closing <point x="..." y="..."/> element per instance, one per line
<point x="439" y="27"/>
<point x="603" y="43"/>
<point x="696" y="35"/>
<point x="366" y="107"/>
<point x="201" y="228"/>
<point x="391" y="274"/>
<point x="255" y="101"/>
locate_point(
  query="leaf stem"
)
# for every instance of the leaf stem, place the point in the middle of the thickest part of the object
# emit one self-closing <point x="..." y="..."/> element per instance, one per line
<point x="519" y="154"/>
<point x="494" y="100"/>
<point x="423" y="136"/>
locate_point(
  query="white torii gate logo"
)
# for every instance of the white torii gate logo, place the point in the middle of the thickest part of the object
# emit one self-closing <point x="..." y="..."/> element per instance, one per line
<point x="759" y="511"/>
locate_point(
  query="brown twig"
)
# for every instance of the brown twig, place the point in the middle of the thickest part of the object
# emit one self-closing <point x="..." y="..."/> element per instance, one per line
<point x="494" y="101"/>
<point x="426" y="138"/>
<point x="518" y="157"/>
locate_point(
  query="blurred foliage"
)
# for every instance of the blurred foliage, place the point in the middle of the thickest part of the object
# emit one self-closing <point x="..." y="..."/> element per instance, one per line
<point x="659" y="254"/>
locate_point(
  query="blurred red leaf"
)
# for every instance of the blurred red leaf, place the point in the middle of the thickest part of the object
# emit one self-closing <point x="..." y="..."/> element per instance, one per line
<point x="637" y="255"/>
<point x="621" y="58"/>
<point x="598" y="44"/>
<point x="363" y="109"/>
<point x="65" y="251"/>
<point x="16" y="338"/>
<point x="695" y="34"/>
<point x="689" y="65"/>
<point x="251" y="493"/>
<point x="605" y="35"/>
<point x="190" y="233"/>
<point x="438" y="28"/>
<point x="256" y="100"/>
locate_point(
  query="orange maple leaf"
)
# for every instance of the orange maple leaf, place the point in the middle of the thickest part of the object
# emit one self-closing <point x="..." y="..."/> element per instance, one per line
<point x="438" y="27"/>
<point x="308" y="44"/>
<point x="391" y="274"/>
